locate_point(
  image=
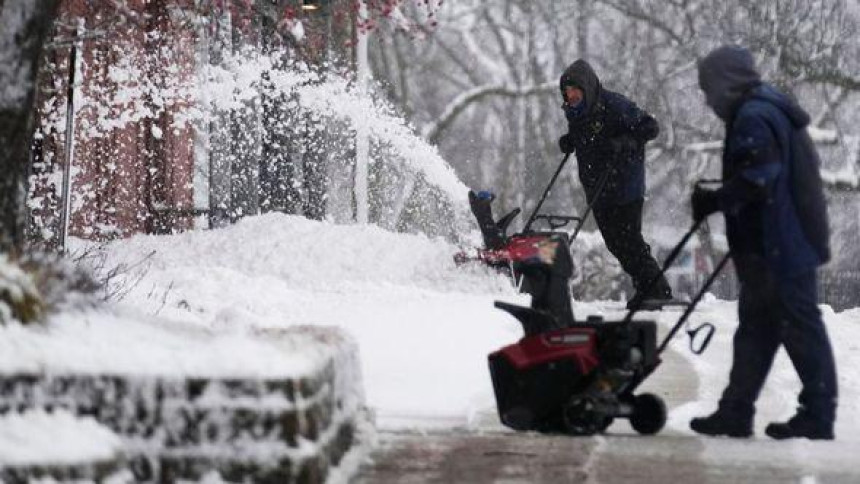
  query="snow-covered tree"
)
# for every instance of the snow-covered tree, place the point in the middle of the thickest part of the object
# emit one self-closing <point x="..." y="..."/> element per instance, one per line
<point x="484" y="87"/>
<point x="24" y="27"/>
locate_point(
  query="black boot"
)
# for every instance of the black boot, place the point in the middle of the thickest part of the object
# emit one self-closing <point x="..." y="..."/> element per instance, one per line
<point x="803" y="424"/>
<point x="728" y="420"/>
<point x="650" y="298"/>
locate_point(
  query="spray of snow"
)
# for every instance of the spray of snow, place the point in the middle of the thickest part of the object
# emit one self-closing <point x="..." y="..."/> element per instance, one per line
<point x="238" y="81"/>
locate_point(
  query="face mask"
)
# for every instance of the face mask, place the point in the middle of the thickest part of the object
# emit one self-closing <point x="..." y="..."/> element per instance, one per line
<point x="574" y="111"/>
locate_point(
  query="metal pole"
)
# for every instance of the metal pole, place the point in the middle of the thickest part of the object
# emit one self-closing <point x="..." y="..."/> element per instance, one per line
<point x="65" y="203"/>
<point x="362" y="131"/>
<point x="604" y="179"/>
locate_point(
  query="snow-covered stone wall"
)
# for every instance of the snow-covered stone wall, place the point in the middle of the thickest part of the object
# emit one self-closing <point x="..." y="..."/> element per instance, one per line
<point x="266" y="428"/>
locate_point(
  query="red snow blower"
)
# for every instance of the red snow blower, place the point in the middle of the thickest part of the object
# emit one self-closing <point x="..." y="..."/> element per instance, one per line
<point x="539" y="261"/>
<point x="572" y="377"/>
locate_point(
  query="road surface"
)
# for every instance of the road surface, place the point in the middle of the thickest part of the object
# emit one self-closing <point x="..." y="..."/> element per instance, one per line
<point x="489" y="453"/>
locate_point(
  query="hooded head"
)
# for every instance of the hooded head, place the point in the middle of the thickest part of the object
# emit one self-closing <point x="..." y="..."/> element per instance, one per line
<point x="725" y="75"/>
<point x="581" y="75"/>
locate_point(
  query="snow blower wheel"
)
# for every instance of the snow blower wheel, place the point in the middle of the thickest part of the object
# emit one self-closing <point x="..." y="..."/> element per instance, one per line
<point x="649" y="414"/>
<point x="582" y="417"/>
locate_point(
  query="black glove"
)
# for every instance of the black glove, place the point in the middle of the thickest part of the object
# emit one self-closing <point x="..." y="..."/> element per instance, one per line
<point x="705" y="201"/>
<point x="624" y="144"/>
<point x="565" y="144"/>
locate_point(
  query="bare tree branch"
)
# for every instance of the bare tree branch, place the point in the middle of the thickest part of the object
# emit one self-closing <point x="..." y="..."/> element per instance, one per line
<point x="432" y="131"/>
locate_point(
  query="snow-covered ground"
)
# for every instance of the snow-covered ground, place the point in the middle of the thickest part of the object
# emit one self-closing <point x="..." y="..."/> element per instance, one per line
<point x="424" y="326"/>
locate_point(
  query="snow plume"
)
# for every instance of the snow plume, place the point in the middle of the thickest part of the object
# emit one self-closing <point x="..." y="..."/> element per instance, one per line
<point x="287" y="108"/>
<point x="335" y="106"/>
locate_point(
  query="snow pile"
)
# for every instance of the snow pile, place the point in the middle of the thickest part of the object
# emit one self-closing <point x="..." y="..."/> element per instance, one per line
<point x="298" y="253"/>
<point x="59" y="438"/>
<point x="423" y="325"/>
<point x="126" y="343"/>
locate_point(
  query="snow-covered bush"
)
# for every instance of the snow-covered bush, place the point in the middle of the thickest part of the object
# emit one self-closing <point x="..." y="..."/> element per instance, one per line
<point x="19" y="298"/>
<point x="39" y="284"/>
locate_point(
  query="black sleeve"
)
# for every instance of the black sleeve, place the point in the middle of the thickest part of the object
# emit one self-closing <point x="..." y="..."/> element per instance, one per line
<point x="635" y="121"/>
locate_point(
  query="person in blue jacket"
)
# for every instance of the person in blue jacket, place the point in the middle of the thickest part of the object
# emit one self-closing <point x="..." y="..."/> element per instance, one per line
<point x="608" y="133"/>
<point x="776" y="224"/>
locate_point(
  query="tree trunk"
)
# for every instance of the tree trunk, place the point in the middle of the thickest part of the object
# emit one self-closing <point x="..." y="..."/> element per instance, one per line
<point x="24" y="26"/>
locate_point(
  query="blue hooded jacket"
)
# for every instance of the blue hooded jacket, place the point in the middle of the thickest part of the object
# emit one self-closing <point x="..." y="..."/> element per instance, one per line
<point x="772" y="195"/>
<point x="607" y="116"/>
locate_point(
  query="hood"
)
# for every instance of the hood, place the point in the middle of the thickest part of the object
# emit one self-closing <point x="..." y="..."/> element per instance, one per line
<point x="725" y="75"/>
<point x="582" y="75"/>
<point x="798" y="117"/>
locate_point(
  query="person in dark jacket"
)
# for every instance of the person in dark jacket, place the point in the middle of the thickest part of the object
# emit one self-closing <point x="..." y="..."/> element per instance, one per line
<point x="608" y="133"/>
<point x="776" y="223"/>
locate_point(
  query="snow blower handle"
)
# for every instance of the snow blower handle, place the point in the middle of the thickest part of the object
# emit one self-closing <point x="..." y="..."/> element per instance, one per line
<point x="601" y="184"/>
<point x="707" y="327"/>
<point x="709" y="333"/>
<point x="533" y="216"/>
<point x="676" y="251"/>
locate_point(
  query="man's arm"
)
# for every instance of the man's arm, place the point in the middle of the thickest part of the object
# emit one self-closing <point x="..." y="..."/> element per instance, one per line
<point x="755" y="152"/>
<point x="637" y="122"/>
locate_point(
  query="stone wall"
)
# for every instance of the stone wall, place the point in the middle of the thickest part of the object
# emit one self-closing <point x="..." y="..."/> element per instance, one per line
<point x="291" y="429"/>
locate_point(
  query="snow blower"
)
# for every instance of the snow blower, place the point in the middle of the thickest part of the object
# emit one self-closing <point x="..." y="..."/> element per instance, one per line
<point x="577" y="377"/>
<point x="538" y="260"/>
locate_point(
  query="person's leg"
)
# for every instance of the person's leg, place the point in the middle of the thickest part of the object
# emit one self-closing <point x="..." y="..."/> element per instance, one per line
<point x="808" y="346"/>
<point x="757" y="338"/>
<point x="756" y="342"/>
<point x="621" y="228"/>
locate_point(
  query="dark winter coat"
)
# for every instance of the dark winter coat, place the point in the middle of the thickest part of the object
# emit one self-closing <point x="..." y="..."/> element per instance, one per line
<point x="597" y="136"/>
<point x="772" y="195"/>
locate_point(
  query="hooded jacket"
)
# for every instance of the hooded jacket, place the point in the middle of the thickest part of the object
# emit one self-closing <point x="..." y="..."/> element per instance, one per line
<point x="607" y="117"/>
<point x="772" y="194"/>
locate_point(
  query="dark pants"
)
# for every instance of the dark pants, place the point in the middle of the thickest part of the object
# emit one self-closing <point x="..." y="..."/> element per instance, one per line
<point x="780" y="311"/>
<point x="621" y="227"/>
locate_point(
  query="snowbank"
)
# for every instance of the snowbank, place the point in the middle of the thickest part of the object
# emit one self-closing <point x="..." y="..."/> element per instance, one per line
<point x="124" y="343"/>
<point x="423" y="324"/>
